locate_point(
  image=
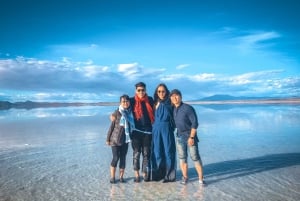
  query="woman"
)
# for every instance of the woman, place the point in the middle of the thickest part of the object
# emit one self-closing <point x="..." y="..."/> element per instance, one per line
<point x="118" y="137"/>
<point x="164" y="150"/>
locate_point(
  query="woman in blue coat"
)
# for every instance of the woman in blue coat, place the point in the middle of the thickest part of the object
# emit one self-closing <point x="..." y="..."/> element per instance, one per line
<point x="163" y="162"/>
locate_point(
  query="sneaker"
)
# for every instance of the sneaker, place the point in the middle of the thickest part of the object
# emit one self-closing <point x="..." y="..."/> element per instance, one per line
<point x="201" y="182"/>
<point x="112" y="180"/>
<point x="146" y="177"/>
<point x="168" y="180"/>
<point x="136" y="179"/>
<point x="122" y="180"/>
<point x="184" y="181"/>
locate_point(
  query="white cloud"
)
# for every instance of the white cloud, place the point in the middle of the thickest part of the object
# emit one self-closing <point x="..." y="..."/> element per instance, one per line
<point x="173" y="77"/>
<point x="128" y="70"/>
<point x="259" y="37"/>
<point x="133" y="71"/>
<point x="32" y="74"/>
<point x="28" y="78"/>
<point x="182" y="66"/>
<point x="255" y="40"/>
<point x="204" y="77"/>
<point x="254" y="77"/>
<point x="94" y="70"/>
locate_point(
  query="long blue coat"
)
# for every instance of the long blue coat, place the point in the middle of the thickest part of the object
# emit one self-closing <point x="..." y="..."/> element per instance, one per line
<point x="163" y="161"/>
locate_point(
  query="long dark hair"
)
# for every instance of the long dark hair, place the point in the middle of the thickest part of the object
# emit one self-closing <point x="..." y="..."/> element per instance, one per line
<point x="155" y="96"/>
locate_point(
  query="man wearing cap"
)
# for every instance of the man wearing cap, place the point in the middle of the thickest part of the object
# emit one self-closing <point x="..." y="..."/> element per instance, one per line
<point x="186" y="122"/>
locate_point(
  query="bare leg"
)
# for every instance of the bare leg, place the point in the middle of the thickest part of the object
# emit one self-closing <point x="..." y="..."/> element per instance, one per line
<point x="136" y="173"/>
<point x="184" y="169"/>
<point x="199" y="170"/>
<point x="112" y="172"/>
<point x="122" y="173"/>
<point x="137" y="176"/>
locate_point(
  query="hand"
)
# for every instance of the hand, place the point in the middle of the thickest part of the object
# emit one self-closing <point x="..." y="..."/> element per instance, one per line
<point x="112" y="117"/>
<point x="107" y="143"/>
<point x="191" y="141"/>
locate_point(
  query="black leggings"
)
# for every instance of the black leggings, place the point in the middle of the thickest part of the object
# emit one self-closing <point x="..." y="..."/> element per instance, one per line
<point x="119" y="152"/>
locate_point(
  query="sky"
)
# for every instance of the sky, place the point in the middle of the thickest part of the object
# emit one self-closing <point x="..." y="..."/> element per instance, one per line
<point x="96" y="50"/>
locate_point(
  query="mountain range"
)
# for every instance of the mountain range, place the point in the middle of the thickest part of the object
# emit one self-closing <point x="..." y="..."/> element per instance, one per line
<point x="219" y="99"/>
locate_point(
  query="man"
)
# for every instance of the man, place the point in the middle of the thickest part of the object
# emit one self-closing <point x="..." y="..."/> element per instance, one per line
<point x="141" y="137"/>
<point x="186" y="122"/>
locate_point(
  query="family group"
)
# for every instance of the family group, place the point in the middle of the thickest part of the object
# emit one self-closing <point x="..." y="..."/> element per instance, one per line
<point x="157" y="129"/>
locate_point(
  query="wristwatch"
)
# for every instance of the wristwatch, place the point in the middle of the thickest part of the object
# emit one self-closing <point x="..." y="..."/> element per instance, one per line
<point x="192" y="137"/>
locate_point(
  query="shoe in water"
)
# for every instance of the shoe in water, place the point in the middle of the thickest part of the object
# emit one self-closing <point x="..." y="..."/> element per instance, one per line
<point x="136" y="179"/>
<point x="184" y="181"/>
<point x="146" y="177"/>
<point x="202" y="182"/>
<point x="168" y="180"/>
<point x="122" y="180"/>
<point x="112" y="180"/>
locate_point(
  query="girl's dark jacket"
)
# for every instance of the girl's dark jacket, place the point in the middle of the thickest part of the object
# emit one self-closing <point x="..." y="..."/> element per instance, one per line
<point x="116" y="133"/>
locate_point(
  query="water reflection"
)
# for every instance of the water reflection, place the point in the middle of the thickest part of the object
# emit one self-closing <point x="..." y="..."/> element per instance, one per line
<point x="251" y="118"/>
<point x="235" y="144"/>
<point x="15" y="114"/>
<point x="87" y="121"/>
<point x="239" y="116"/>
<point x="192" y="190"/>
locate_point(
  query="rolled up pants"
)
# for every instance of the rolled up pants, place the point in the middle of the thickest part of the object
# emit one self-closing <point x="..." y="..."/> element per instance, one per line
<point x="141" y="144"/>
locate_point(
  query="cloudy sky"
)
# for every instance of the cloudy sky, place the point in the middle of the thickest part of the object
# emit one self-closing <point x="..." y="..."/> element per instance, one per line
<point x="96" y="50"/>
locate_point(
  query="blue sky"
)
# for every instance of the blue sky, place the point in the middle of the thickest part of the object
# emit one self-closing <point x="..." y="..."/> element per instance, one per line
<point x="97" y="50"/>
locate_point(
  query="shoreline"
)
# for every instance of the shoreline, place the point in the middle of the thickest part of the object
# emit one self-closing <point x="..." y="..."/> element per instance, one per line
<point x="6" y="105"/>
<point x="254" y="101"/>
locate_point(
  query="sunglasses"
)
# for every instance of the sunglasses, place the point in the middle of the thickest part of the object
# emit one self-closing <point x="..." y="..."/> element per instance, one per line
<point x="161" y="91"/>
<point x="140" y="90"/>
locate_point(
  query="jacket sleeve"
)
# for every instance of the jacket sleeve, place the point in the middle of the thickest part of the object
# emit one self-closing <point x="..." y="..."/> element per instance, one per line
<point x="193" y="117"/>
<point x="111" y="128"/>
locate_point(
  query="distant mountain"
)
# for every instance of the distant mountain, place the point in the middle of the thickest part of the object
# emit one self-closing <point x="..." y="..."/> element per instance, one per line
<point x="219" y="97"/>
<point x="6" y="105"/>
<point x="224" y="97"/>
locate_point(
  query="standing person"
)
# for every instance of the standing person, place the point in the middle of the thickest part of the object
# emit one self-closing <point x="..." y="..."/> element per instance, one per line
<point x="164" y="150"/>
<point x="186" y="122"/>
<point x="118" y="137"/>
<point x="142" y="105"/>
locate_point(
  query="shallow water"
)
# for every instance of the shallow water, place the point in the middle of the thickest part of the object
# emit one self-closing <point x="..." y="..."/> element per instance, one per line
<point x="249" y="153"/>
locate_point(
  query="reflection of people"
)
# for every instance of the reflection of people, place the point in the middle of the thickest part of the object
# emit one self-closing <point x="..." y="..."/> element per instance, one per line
<point x="118" y="137"/>
<point x="191" y="193"/>
<point x="186" y="138"/>
<point x="164" y="150"/>
<point x="141" y="137"/>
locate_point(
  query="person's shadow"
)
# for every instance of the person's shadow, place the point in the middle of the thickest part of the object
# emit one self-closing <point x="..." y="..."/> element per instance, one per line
<point x="216" y="172"/>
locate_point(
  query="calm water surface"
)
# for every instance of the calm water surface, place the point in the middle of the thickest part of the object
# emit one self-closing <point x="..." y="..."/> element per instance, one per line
<point x="249" y="153"/>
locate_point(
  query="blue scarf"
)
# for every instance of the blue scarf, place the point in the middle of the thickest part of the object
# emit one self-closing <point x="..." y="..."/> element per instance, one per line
<point x="127" y="121"/>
